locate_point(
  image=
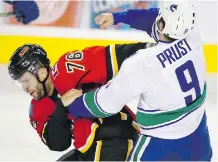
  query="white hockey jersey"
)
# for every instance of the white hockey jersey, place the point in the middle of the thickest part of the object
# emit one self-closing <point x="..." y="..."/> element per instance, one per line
<point x="169" y="80"/>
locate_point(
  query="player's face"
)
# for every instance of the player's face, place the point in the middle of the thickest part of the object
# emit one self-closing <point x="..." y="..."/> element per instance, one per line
<point x="160" y="25"/>
<point x="31" y="85"/>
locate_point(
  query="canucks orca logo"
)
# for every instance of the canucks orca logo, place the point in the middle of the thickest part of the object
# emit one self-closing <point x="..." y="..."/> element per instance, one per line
<point x="173" y="7"/>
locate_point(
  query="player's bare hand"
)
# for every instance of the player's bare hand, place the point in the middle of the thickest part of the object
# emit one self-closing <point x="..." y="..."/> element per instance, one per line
<point x="105" y="20"/>
<point x="70" y="96"/>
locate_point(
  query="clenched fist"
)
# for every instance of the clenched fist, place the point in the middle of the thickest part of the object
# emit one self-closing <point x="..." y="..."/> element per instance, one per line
<point x="70" y="96"/>
<point x="104" y="20"/>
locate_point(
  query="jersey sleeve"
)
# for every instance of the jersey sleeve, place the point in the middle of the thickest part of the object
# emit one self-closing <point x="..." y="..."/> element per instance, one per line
<point x="39" y="115"/>
<point x="91" y="67"/>
<point x="84" y="133"/>
<point x="51" y="123"/>
<point x="57" y="128"/>
<point x="140" y="19"/>
<point x="116" y="54"/>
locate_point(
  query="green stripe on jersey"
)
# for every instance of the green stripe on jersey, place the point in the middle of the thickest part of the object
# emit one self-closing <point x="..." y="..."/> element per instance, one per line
<point x="139" y="147"/>
<point x="89" y="99"/>
<point x="147" y="120"/>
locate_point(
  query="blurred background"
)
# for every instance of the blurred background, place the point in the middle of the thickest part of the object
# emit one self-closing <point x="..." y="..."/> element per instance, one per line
<point x="68" y="25"/>
<point x="73" y="21"/>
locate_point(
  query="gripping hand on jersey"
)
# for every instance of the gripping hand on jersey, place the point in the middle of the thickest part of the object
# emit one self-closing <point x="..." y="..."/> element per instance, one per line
<point x="70" y="96"/>
<point x="25" y="11"/>
<point x="105" y="20"/>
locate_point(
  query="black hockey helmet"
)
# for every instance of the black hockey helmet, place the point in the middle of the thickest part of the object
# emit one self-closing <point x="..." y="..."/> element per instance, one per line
<point x="25" y="58"/>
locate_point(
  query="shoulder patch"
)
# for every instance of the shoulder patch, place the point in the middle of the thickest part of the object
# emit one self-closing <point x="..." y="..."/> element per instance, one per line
<point x="34" y="124"/>
<point x="54" y="71"/>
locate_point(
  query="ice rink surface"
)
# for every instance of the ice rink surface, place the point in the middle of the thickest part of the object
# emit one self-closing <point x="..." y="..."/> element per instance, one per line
<point x="20" y="142"/>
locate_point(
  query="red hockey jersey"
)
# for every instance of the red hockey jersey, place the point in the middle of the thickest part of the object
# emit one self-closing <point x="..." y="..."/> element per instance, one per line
<point x="84" y="69"/>
<point x="79" y="67"/>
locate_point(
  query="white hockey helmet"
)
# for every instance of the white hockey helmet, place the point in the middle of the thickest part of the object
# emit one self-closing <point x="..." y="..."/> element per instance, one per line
<point x="179" y="18"/>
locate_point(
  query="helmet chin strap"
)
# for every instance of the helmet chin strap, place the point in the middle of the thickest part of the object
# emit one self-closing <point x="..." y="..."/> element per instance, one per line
<point x="43" y="83"/>
<point x="154" y="33"/>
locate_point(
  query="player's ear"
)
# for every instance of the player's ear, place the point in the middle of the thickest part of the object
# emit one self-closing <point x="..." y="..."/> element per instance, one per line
<point x="42" y="73"/>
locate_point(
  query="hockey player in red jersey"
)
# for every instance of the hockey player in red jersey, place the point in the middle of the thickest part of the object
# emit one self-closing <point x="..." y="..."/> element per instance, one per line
<point x="94" y="139"/>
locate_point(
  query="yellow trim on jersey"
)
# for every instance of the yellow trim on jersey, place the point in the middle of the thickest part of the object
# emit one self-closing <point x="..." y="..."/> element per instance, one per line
<point x="90" y="139"/>
<point x="114" y="63"/>
<point x="100" y="120"/>
<point x="43" y="131"/>
<point x="123" y="116"/>
<point x="136" y="126"/>
<point x="98" y="151"/>
<point x="130" y="146"/>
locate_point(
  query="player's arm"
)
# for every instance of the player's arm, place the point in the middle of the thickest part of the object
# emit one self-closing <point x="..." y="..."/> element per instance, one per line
<point x="110" y="99"/>
<point x="58" y="130"/>
<point x="141" y="19"/>
<point x="54" y="129"/>
<point x="116" y="54"/>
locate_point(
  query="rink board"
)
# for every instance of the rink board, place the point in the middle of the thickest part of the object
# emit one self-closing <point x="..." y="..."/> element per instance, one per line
<point x="55" y="47"/>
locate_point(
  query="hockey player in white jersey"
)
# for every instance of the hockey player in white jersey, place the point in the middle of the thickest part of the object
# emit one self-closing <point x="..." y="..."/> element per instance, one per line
<point x="170" y="81"/>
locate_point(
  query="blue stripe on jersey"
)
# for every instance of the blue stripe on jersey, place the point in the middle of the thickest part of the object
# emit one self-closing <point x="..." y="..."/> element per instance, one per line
<point x="141" y="109"/>
<point x="87" y="106"/>
<point x="79" y="109"/>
